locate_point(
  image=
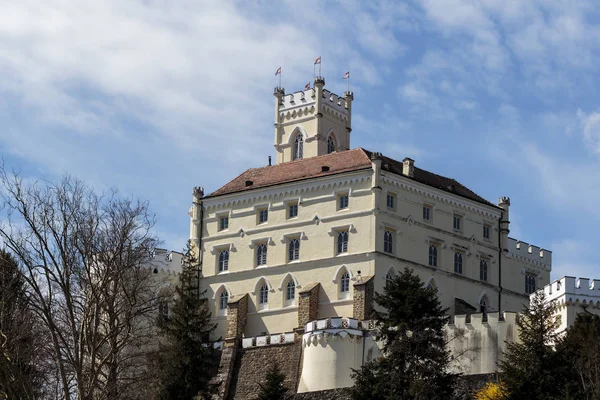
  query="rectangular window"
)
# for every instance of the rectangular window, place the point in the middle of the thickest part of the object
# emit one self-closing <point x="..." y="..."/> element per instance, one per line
<point x="433" y="255"/>
<point x="483" y="270"/>
<point x="486" y="231"/>
<point x="223" y="222"/>
<point x="292" y="210"/>
<point x="342" y="242"/>
<point x="342" y="201"/>
<point x="391" y="201"/>
<point x="426" y="213"/>
<point x="263" y="215"/>
<point x="388" y="241"/>
<point x="530" y="285"/>
<point x="457" y="222"/>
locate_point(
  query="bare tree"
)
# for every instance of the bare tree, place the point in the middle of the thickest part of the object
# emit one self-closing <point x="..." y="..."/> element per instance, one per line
<point x="84" y="260"/>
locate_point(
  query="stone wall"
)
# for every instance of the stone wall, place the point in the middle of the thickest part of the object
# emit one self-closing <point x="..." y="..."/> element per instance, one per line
<point x="363" y="298"/>
<point x="308" y="307"/>
<point x="251" y="367"/>
<point x="335" y="394"/>
<point x="237" y="311"/>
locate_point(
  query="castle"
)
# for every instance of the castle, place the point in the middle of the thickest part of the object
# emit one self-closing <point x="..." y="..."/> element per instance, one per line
<point x="292" y="253"/>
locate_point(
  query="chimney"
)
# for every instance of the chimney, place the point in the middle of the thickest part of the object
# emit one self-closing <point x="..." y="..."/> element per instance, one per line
<point x="408" y="167"/>
<point x="269" y="161"/>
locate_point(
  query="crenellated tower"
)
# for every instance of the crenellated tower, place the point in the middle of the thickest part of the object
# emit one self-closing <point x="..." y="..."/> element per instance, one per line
<point x="312" y="122"/>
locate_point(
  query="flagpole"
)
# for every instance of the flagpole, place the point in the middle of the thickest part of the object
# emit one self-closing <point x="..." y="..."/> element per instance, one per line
<point x="348" y="84"/>
<point x="320" y="61"/>
<point x="280" y="79"/>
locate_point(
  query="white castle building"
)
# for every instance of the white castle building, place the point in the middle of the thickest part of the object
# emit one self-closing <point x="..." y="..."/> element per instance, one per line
<point x="292" y="253"/>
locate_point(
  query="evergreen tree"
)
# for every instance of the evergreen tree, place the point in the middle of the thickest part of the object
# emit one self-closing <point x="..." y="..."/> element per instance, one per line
<point x="185" y="361"/>
<point x="531" y="366"/>
<point x="579" y="352"/>
<point x="415" y="358"/>
<point x="20" y="376"/>
<point x="273" y="388"/>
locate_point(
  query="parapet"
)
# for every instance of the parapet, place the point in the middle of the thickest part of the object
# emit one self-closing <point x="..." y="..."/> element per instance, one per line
<point x="526" y="252"/>
<point x="266" y="340"/>
<point x="571" y="290"/>
<point x="305" y="98"/>
<point x="477" y="320"/>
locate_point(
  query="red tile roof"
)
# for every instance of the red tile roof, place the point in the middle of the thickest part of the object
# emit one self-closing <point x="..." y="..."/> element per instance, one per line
<point x="345" y="161"/>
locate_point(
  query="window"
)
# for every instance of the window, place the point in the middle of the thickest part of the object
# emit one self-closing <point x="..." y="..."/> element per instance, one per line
<point x="292" y="210"/>
<point x="433" y="255"/>
<point x="298" y="147"/>
<point x="483" y="305"/>
<point x="261" y="254"/>
<point x="294" y="249"/>
<point x="426" y="213"/>
<point x="530" y="286"/>
<point x="344" y="285"/>
<point x="391" y="201"/>
<point x="263" y="215"/>
<point x="224" y="260"/>
<point x="486" y="231"/>
<point x="389" y="277"/>
<point x="457" y="222"/>
<point x="458" y="262"/>
<point x="388" y="241"/>
<point x="483" y="270"/>
<point x="330" y="145"/>
<point x="342" y="201"/>
<point x="263" y="297"/>
<point x="223" y="299"/>
<point x="290" y="293"/>
<point x="163" y="309"/>
<point x="342" y="242"/>
<point x="223" y="222"/>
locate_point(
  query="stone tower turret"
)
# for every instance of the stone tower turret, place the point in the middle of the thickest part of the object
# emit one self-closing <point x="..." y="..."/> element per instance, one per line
<point x="312" y="122"/>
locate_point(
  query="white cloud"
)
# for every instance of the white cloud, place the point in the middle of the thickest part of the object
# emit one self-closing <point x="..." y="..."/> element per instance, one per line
<point x="590" y="125"/>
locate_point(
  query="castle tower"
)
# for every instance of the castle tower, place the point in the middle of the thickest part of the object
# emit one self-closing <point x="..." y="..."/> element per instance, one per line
<point x="312" y="122"/>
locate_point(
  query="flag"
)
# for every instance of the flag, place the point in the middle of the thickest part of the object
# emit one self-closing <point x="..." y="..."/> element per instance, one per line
<point x="318" y="60"/>
<point x="307" y="86"/>
<point x="278" y="72"/>
<point x="347" y="75"/>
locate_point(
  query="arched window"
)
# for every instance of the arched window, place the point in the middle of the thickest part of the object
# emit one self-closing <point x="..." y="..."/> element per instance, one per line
<point x="330" y="145"/>
<point x="290" y="293"/>
<point x="342" y="242"/>
<point x="261" y="254"/>
<point x="483" y="270"/>
<point x="298" y="147"/>
<point x="163" y="309"/>
<point x="294" y="249"/>
<point x="530" y="285"/>
<point x="458" y="262"/>
<point x="433" y="255"/>
<point x="389" y="277"/>
<point x="263" y="297"/>
<point x="223" y="299"/>
<point x="483" y="305"/>
<point x="223" y="260"/>
<point x="344" y="285"/>
<point x="388" y="241"/>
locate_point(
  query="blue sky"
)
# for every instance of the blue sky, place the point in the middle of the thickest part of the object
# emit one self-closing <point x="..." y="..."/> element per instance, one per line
<point x="155" y="97"/>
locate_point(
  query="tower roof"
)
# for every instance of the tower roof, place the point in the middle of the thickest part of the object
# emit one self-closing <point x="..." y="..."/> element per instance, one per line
<point x="337" y="163"/>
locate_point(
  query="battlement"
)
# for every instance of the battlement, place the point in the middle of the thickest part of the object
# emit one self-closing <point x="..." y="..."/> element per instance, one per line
<point x="570" y="290"/>
<point x="477" y="320"/>
<point x="266" y="340"/>
<point x="524" y="251"/>
<point x="306" y="98"/>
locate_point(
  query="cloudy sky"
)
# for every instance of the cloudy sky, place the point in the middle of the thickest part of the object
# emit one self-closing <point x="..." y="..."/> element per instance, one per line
<point x="155" y="97"/>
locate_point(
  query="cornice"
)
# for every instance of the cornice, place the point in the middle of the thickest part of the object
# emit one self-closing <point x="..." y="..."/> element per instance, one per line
<point x="440" y="196"/>
<point x="295" y="188"/>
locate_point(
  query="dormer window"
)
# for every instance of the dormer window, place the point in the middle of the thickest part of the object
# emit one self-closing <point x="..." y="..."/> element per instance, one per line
<point x="298" y="147"/>
<point x="330" y="145"/>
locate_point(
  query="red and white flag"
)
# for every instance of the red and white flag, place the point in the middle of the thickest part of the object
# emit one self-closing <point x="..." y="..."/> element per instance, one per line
<point x="347" y="75"/>
<point x="278" y="72"/>
<point x="307" y="86"/>
<point x="318" y="60"/>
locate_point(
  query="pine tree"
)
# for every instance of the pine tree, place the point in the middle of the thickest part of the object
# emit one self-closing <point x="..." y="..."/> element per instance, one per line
<point x="415" y="357"/>
<point x="185" y="361"/>
<point x="273" y="388"/>
<point x="530" y="368"/>
<point x="579" y="352"/>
